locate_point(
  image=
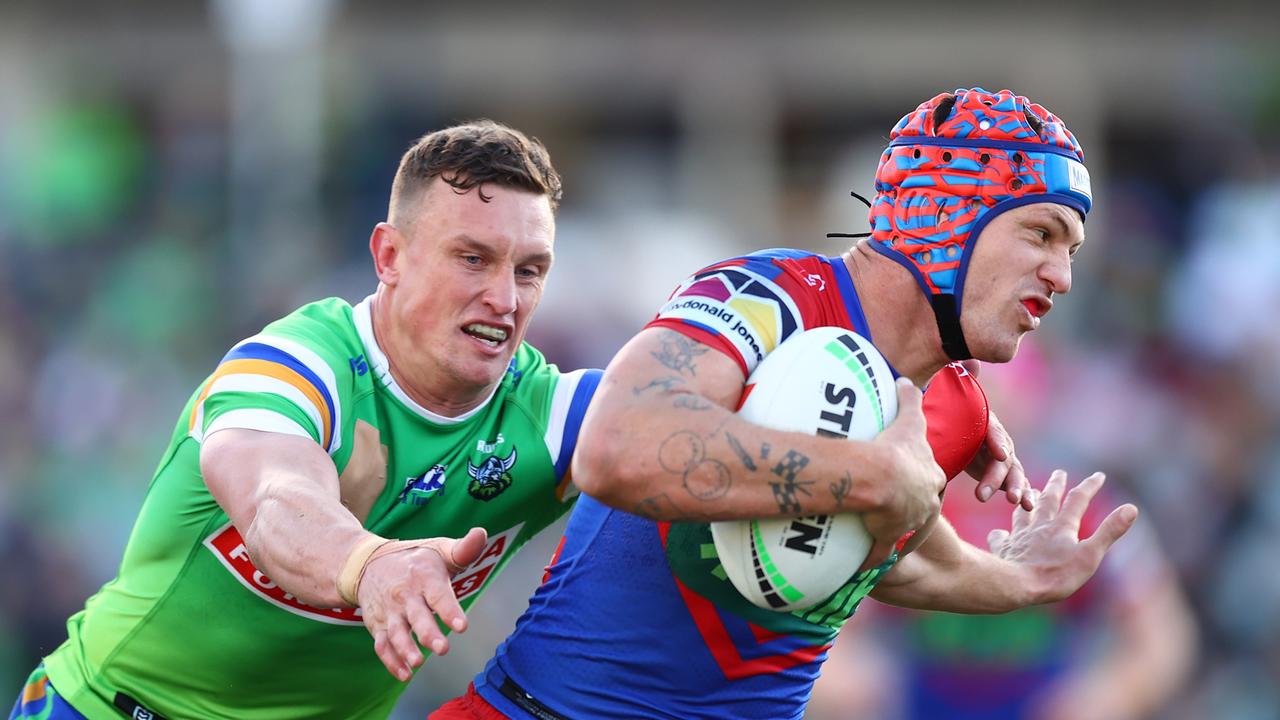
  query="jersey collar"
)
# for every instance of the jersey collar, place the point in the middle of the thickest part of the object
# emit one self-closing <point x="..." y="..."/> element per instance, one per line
<point x="363" y="316"/>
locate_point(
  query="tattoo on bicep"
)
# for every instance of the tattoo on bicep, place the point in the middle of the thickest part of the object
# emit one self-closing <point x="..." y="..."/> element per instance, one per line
<point x="663" y="384"/>
<point x="840" y="490"/>
<point x="692" y="402"/>
<point x="678" y="352"/>
<point x="738" y="450"/>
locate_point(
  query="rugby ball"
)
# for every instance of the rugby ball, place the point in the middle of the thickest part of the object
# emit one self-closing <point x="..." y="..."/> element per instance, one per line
<point x="826" y="381"/>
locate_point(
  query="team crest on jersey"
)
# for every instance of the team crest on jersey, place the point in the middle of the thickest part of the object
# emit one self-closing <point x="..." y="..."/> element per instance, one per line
<point x="418" y="490"/>
<point x="491" y="477"/>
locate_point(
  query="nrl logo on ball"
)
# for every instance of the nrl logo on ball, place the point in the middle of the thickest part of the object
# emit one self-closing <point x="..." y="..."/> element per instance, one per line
<point x="490" y="477"/>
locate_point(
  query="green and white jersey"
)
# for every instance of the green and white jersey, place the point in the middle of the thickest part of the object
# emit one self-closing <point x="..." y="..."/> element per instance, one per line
<point x="191" y="629"/>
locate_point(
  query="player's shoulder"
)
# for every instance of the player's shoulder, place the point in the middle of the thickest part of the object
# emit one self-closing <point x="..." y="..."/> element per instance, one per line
<point x="319" y="342"/>
<point x="537" y="383"/>
<point x="325" y="332"/>
<point x="540" y="386"/>
<point x="328" y="323"/>
<point x="768" y="263"/>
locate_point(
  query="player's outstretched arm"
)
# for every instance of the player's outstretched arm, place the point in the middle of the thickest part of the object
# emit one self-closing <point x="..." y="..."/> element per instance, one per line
<point x="1042" y="560"/>
<point x="282" y="494"/>
<point x="661" y="440"/>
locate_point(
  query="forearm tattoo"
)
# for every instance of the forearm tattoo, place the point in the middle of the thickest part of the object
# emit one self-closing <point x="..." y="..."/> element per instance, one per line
<point x="684" y="453"/>
<point x="661" y="507"/>
<point x="785" y="492"/>
<point x="704" y="478"/>
<point x="741" y="452"/>
<point x="840" y="490"/>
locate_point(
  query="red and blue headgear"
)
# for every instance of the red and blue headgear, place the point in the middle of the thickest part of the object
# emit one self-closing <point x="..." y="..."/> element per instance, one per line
<point x="952" y="165"/>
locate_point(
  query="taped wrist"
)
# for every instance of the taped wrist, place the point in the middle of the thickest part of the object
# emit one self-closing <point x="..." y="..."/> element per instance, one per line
<point x="353" y="569"/>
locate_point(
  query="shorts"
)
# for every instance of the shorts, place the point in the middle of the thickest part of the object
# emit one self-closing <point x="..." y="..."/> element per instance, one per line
<point x="39" y="701"/>
<point x="468" y="706"/>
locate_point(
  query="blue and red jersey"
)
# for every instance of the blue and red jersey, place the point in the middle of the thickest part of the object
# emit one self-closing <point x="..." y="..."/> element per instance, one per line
<point x="636" y="618"/>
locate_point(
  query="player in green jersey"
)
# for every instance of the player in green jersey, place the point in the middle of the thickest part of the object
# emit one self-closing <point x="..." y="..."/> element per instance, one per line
<point x="264" y="548"/>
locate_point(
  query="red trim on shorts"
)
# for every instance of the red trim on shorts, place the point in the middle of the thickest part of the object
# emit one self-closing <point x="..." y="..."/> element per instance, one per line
<point x="468" y="706"/>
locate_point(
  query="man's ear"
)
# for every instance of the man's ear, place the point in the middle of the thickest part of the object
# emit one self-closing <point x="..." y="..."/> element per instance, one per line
<point x="385" y="244"/>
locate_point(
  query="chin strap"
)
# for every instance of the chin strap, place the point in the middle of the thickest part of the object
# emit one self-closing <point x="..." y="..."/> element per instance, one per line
<point x="944" y="309"/>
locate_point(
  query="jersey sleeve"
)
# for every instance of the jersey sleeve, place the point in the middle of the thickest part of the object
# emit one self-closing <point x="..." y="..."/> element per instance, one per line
<point x="272" y="383"/>
<point x="736" y="306"/>
<point x="569" y="401"/>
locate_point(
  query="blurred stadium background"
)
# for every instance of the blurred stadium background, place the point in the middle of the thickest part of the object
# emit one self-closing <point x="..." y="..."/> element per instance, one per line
<point x="174" y="175"/>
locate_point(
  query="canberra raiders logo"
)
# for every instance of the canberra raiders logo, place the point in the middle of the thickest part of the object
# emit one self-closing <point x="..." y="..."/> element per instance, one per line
<point x="491" y="477"/>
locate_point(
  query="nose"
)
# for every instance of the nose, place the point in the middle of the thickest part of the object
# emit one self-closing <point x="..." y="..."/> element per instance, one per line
<point x="500" y="293"/>
<point x="1056" y="272"/>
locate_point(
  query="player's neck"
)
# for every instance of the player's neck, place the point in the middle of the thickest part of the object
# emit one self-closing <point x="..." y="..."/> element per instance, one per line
<point x="901" y="321"/>
<point x="423" y="385"/>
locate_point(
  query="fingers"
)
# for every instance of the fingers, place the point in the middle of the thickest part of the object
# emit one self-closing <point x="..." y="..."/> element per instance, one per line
<point x="467" y="549"/>
<point x="1022" y="516"/>
<point x="1015" y="482"/>
<point x="404" y="591"/>
<point x="880" y="552"/>
<point x="910" y="401"/>
<point x="998" y="442"/>
<point x="1112" y="529"/>
<point x="425" y="627"/>
<point x="1079" y="497"/>
<point x="1050" y="499"/>
<point x="994" y="477"/>
<point x="1029" y="497"/>
<point x="389" y="652"/>
<point x="441" y="600"/>
<point x="996" y="540"/>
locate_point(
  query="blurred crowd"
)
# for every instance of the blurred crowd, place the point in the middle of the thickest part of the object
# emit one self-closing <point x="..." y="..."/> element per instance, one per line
<point x="129" y="262"/>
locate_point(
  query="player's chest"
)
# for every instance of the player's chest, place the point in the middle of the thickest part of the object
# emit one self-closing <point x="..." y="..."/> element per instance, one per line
<point x="406" y="477"/>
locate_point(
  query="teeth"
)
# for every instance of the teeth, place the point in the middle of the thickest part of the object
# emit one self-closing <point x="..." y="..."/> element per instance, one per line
<point x="491" y="335"/>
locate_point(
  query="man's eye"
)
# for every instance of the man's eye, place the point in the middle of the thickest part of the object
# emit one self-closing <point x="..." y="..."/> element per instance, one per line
<point x="471" y="259"/>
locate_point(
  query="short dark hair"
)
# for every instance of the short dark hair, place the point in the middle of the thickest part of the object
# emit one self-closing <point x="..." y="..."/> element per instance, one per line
<point x="472" y="154"/>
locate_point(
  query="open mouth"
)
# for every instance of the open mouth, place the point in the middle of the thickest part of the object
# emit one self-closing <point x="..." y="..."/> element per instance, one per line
<point x="487" y="334"/>
<point x="1036" y="307"/>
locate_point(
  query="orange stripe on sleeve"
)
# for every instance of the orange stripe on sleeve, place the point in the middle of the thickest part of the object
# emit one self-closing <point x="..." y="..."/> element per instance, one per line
<point x="271" y="370"/>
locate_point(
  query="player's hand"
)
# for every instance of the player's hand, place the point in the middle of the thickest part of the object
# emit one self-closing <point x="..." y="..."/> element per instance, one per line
<point x="996" y="467"/>
<point x="1046" y="541"/>
<point x="406" y="585"/>
<point x="914" y="483"/>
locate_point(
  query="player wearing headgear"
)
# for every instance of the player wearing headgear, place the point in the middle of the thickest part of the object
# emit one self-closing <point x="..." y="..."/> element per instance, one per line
<point x="980" y="203"/>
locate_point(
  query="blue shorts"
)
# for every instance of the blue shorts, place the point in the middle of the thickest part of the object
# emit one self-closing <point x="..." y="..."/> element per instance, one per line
<point x="39" y="701"/>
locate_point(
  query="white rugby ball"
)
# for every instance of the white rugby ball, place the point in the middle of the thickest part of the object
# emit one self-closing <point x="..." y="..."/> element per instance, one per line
<point x="826" y="381"/>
